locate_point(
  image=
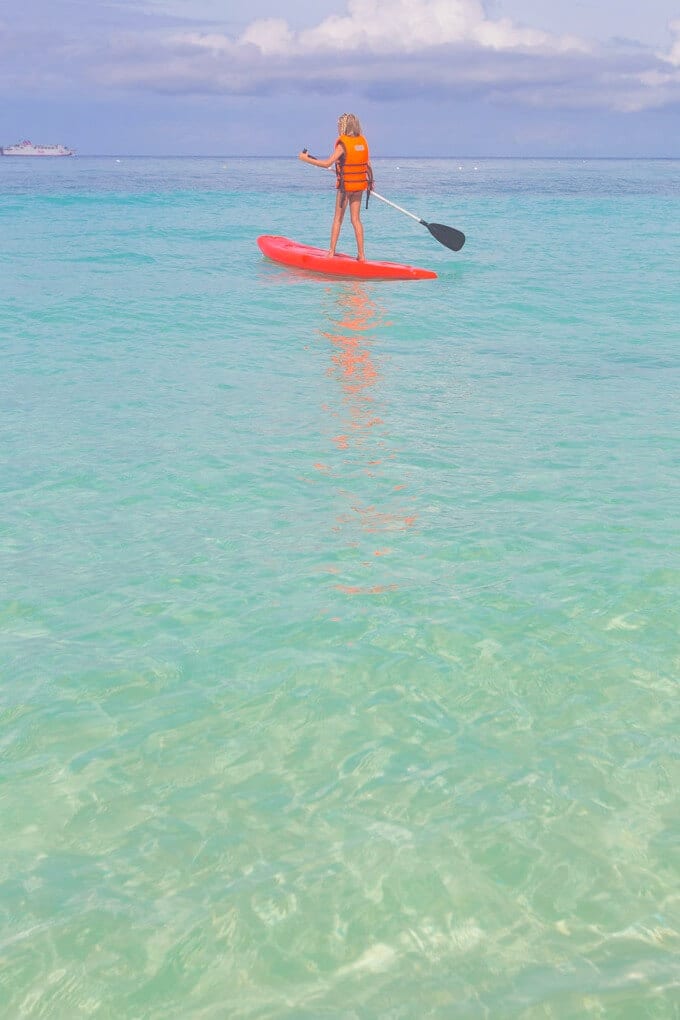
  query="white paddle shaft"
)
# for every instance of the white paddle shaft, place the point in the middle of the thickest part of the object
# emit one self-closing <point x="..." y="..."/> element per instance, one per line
<point x="395" y="206"/>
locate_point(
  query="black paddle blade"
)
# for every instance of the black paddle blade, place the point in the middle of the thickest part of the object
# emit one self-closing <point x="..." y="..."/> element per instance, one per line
<point x="448" y="236"/>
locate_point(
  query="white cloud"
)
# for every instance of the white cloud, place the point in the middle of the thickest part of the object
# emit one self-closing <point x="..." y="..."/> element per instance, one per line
<point x="269" y="35"/>
<point x="382" y="49"/>
<point x="673" y="55"/>
<point x="404" y="26"/>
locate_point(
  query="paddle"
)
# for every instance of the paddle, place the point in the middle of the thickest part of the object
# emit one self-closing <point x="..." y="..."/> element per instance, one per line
<point x="448" y="236"/>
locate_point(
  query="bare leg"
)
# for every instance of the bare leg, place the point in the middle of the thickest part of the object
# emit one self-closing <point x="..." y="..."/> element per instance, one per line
<point x="340" y="206"/>
<point x="355" y="216"/>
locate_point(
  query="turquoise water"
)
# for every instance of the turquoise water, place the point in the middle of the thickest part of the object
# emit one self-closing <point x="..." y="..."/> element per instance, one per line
<point x="339" y="621"/>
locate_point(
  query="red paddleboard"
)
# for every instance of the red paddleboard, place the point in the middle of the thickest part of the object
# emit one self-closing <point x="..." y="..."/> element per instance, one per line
<point x="317" y="260"/>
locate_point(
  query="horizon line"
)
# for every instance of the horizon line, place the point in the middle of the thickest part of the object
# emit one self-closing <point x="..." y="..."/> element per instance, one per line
<point x="203" y="155"/>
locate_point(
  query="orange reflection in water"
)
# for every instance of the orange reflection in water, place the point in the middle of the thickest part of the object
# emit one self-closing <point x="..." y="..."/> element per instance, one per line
<point x="359" y="432"/>
<point x="352" y="361"/>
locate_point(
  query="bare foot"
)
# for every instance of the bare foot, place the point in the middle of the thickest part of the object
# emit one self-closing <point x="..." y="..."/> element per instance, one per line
<point x="330" y="254"/>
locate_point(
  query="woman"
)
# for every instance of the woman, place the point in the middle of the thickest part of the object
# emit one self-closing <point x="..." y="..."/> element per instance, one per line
<point x="353" y="177"/>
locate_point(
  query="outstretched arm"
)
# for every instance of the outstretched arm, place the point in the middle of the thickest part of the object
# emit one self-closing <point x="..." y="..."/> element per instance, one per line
<point x="324" y="163"/>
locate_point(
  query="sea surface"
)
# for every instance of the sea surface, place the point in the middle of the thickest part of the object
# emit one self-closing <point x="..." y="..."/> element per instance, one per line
<point x="339" y="621"/>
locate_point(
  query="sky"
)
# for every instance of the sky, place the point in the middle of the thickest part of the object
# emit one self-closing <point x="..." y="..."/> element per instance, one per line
<point x="449" y="78"/>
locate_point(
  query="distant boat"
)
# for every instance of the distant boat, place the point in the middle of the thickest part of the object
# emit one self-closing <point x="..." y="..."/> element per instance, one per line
<point x="27" y="148"/>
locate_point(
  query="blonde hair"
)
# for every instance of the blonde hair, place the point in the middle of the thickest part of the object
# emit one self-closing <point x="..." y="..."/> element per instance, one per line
<point x="348" y="124"/>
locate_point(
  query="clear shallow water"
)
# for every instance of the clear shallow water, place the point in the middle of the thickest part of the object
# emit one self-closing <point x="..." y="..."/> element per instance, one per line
<point x="338" y="626"/>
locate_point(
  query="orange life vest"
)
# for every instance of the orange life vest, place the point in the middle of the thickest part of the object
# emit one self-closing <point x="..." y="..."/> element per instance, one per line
<point x="353" y="169"/>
